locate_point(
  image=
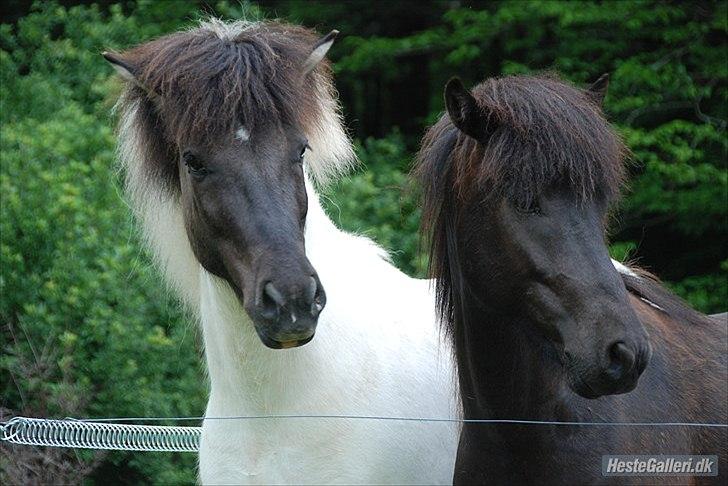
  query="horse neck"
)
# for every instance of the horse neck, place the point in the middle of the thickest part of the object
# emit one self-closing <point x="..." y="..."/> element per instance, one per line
<point x="506" y="369"/>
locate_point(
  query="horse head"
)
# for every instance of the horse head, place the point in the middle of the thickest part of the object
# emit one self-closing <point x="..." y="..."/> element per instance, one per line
<point x="225" y="120"/>
<point x="518" y="179"/>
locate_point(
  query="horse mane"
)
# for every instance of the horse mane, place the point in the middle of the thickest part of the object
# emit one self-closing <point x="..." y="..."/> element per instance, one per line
<point x="546" y="132"/>
<point x="203" y="83"/>
<point x="434" y="170"/>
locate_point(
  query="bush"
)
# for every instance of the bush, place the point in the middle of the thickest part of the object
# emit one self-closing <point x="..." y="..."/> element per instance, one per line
<point x="379" y="201"/>
<point x="87" y="327"/>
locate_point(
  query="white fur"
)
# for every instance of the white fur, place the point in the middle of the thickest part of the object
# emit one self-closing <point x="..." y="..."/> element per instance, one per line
<point x="376" y="351"/>
<point x="242" y="134"/>
<point x="224" y="30"/>
<point x="623" y="269"/>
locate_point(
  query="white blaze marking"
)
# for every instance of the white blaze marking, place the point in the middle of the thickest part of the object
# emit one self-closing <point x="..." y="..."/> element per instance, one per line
<point x="242" y="134"/>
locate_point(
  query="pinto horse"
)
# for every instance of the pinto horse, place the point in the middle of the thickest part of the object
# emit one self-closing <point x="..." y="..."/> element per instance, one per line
<point x="220" y="127"/>
<point x="517" y="180"/>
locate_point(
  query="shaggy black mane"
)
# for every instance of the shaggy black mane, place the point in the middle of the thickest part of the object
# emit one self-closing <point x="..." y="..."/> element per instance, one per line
<point x="546" y="131"/>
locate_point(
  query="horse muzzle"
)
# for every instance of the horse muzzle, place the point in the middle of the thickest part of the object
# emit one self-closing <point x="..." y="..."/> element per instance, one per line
<point x="624" y="366"/>
<point x="283" y="321"/>
<point x="288" y="336"/>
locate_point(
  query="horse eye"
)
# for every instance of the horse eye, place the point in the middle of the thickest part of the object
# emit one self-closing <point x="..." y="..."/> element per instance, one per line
<point x="303" y="152"/>
<point x="532" y="208"/>
<point x="193" y="163"/>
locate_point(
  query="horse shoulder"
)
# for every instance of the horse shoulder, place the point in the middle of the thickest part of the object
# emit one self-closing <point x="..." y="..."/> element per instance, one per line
<point x="688" y="361"/>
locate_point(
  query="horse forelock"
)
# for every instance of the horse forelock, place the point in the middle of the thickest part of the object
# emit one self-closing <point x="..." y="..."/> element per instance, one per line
<point x="205" y="83"/>
<point x="542" y="131"/>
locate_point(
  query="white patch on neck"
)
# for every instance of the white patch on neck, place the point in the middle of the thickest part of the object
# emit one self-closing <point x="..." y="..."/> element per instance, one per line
<point x="623" y="269"/>
<point x="242" y="134"/>
<point x="652" y="304"/>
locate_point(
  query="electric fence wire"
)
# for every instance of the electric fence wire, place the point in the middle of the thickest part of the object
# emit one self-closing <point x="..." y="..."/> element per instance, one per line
<point x="111" y="434"/>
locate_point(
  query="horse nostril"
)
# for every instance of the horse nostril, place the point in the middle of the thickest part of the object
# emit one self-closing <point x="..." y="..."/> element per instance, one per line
<point x="621" y="358"/>
<point x="643" y="357"/>
<point x="272" y="292"/>
<point x="312" y="288"/>
<point x="272" y="300"/>
<point x="317" y="297"/>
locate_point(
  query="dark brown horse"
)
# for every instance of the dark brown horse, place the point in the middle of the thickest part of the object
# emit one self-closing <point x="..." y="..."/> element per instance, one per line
<point x="518" y="178"/>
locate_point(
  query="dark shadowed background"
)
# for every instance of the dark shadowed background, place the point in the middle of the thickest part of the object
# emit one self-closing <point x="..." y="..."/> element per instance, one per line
<point x="87" y="328"/>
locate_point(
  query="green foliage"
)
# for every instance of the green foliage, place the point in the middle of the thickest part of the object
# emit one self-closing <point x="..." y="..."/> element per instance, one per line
<point x="708" y="291"/>
<point x="379" y="202"/>
<point x="87" y="327"/>
<point x="622" y="251"/>
<point x="679" y="179"/>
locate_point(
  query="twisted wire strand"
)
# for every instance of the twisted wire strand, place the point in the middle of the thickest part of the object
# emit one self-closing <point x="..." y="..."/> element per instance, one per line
<point x="95" y="435"/>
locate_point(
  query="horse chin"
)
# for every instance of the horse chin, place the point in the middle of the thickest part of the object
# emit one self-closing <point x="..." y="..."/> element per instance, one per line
<point x="582" y="389"/>
<point x="275" y="344"/>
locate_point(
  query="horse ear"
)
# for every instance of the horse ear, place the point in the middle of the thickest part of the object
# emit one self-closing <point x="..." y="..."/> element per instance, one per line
<point x="127" y="71"/>
<point x="122" y="67"/>
<point x="598" y="90"/>
<point x="319" y="51"/>
<point x="464" y="111"/>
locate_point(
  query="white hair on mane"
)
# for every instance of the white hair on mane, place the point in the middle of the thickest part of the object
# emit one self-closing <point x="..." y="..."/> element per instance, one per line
<point x="331" y="151"/>
<point x="159" y="213"/>
<point x="225" y="30"/>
